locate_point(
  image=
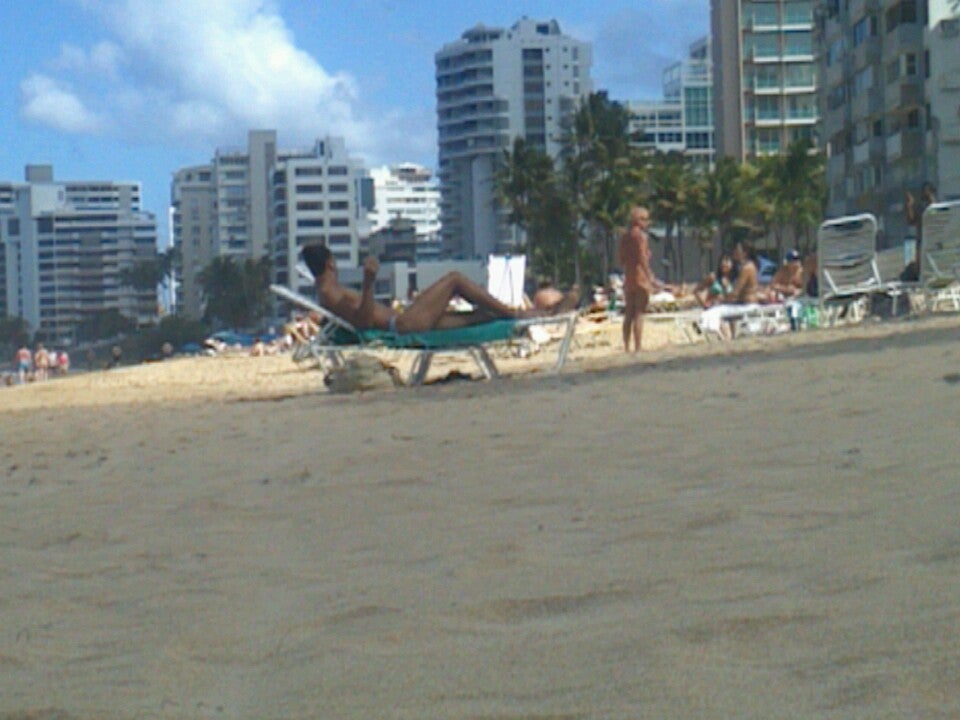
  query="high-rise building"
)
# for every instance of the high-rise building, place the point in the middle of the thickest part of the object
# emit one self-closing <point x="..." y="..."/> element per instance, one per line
<point x="764" y="76"/>
<point x="221" y="208"/>
<point x="876" y="121"/>
<point x="683" y="120"/>
<point x="245" y="204"/>
<point x="943" y="93"/>
<point x="65" y="247"/>
<point x="406" y="191"/>
<point x="493" y="85"/>
<point x="318" y="195"/>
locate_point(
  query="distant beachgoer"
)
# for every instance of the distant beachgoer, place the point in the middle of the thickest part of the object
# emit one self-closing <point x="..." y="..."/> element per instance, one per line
<point x="787" y="281"/>
<point x="914" y="212"/>
<point x="41" y="362"/>
<point x="116" y="355"/>
<point x="634" y="256"/>
<point x="546" y="296"/>
<point x="257" y="349"/>
<point x="430" y="309"/>
<point x="63" y="362"/>
<point x="711" y="289"/>
<point x="745" y="289"/>
<point x="24" y="364"/>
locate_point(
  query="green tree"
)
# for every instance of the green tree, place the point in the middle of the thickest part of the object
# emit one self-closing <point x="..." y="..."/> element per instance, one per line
<point x="14" y="332"/>
<point x="236" y="292"/>
<point x="104" y="324"/>
<point x="794" y="190"/>
<point x="601" y="174"/>
<point x="674" y="190"/>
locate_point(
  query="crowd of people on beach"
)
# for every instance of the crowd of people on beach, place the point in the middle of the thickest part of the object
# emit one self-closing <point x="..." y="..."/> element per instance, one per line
<point x="37" y="366"/>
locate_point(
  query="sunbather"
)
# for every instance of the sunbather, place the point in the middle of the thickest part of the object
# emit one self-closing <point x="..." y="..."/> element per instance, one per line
<point x="787" y="282"/>
<point x="428" y="311"/>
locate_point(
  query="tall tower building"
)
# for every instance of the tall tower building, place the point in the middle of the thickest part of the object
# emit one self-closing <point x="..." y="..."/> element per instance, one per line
<point x="494" y="85"/>
<point x="319" y="195"/>
<point x="876" y="121"/>
<point x="683" y="120"/>
<point x="943" y="93"/>
<point x="765" y="76"/>
<point x="245" y="204"/>
<point x="406" y="191"/>
<point x="65" y="247"/>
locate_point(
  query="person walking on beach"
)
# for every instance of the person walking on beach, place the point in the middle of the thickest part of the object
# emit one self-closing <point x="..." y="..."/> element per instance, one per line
<point x="41" y="362"/>
<point x="634" y="256"/>
<point x="23" y="364"/>
<point x="428" y="311"/>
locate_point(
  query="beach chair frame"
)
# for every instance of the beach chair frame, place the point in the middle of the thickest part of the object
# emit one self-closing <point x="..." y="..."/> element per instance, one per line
<point x="329" y="353"/>
<point x="847" y="267"/>
<point x="940" y="250"/>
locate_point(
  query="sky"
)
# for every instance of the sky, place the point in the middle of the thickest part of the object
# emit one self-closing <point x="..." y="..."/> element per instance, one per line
<point x="135" y="89"/>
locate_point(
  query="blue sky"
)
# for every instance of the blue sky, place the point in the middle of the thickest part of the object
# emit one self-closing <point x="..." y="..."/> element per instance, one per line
<point x="134" y="89"/>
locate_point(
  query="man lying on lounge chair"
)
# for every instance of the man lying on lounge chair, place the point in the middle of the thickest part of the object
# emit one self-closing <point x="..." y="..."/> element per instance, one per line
<point x="428" y="311"/>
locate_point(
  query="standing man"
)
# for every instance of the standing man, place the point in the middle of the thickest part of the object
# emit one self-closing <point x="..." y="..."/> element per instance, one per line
<point x="637" y="278"/>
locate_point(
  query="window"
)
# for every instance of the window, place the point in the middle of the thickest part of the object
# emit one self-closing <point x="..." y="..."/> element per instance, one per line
<point x="878" y="128"/>
<point x="893" y="70"/>
<point x="913" y="119"/>
<point x="861" y="31"/>
<point x="337" y="170"/>
<point x="336" y="188"/>
<point x="13" y="226"/>
<point x="308" y="171"/>
<point x="910" y="64"/>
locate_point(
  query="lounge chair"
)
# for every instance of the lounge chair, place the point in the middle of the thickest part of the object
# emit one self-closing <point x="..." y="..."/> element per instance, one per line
<point x="337" y="335"/>
<point x="940" y="267"/>
<point x="847" y="263"/>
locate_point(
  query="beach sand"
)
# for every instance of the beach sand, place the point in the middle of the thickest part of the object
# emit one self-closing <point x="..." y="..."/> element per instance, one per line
<point x="761" y="529"/>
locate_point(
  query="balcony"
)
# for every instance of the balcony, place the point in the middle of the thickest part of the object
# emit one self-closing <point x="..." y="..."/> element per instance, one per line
<point x="801" y="116"/>
<point x="861" y="153"/>
<point x="894" y="146"/>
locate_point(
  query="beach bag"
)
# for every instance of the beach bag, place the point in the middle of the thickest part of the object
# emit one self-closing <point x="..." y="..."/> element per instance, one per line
<point x="362" y="372"/>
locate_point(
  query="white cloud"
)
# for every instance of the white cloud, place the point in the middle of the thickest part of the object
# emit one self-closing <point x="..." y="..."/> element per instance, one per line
<point x="49" y="102"/>
<point x="202" y="73"/>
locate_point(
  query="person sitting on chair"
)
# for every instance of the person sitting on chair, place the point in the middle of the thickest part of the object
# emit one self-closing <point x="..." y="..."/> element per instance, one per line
<point x="428" y="311"/>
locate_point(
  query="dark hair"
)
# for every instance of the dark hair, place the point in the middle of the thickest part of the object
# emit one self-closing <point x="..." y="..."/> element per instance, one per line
<point x="749" y="250"/>
<point x="316" y="257"/>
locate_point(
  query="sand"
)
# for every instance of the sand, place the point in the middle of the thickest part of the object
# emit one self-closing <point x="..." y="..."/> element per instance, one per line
<point x="761" y="529"/>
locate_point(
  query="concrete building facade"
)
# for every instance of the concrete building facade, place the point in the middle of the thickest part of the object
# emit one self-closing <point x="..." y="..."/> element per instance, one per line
<point x="683" y="120"/>
<point x="260" y="201"/>
<point x="943" y="93"/>
<point x="410" y="192"/>
<point x="877" y="121"/>
<point x="319" y="195"/>
<point x="65" y="247"/>
<point x="493" y="85"/>
<point x="765" y="76"/>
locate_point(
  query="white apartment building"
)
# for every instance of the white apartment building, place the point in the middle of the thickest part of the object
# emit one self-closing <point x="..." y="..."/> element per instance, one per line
<point x="493" y="85"/>
<point x="65" y="245"/>
<point x="943" y="93"/>
<point x="683" y="120"/>
<point x="765" y="76"/>
<point x="319" y="195"/>
<point x="406" y="191"/>
<point x="221" y="208"/>
<point x="228" y="207"/>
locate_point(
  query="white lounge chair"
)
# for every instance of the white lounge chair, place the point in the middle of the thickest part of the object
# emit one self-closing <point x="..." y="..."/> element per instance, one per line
<point x="847" y="265"/>
<point x="337" y="335"/>
<point x="940" y="266"/>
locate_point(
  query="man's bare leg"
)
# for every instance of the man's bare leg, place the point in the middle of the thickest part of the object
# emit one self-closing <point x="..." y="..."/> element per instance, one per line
<point x="629" y="313"/>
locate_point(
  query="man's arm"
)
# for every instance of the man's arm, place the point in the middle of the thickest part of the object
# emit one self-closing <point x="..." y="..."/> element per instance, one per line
<point x="365" y="309"/>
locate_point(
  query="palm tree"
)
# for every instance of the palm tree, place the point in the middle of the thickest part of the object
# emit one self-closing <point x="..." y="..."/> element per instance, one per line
<point x="236" y="292"/>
